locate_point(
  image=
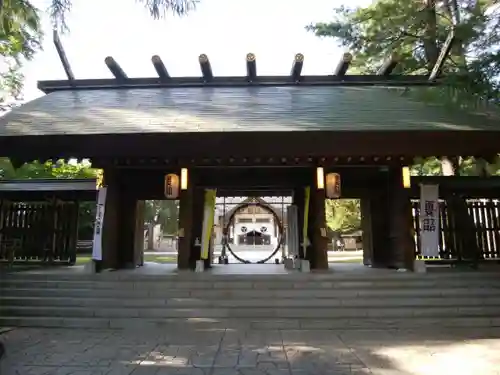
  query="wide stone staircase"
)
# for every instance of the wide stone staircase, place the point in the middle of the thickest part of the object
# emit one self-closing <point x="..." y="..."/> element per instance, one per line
<point x="293" y="301"/>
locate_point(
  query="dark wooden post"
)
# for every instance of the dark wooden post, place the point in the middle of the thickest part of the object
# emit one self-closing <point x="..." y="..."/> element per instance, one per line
<point x="74" y="218"/>
<point x="298" y="200"/>
<point x="401" y="241"/>
<point x="110" y="226"/>
<point x="186" y="210"/>
<point x="378" y="208"/>
<point x="197" y="227"/>
<point x="366" y="227"/>
<point x="139" y="233"/>
<point x="128" y="254"/>
<point x="318" y="251"/>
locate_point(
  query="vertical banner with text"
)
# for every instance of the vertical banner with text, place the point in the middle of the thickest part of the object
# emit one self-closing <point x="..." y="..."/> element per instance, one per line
<point x="429" y="220"/>
<point x="98" y="225"/>
<point x="208" y="221"/>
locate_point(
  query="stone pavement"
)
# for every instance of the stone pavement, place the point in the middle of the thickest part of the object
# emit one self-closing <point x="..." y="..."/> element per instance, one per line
<point x="170" y="351"/>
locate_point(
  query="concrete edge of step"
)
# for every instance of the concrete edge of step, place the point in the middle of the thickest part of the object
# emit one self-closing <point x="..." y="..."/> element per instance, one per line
<point x="236" y="324"/>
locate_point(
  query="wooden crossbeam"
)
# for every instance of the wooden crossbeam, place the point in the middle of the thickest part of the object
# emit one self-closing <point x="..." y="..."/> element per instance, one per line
<point x="251" y="67"/>
<point x="115" y="69"/>
<point x="389" y="64"/>
<point x="445" y="51"/>
<point x="206" y="68"/>
<point x="62" y="56"/>
<point x="160" y="68"/>
<point x="298" y="63"/>
<point x="241" y="81"/>
<point x="343" y="65"/>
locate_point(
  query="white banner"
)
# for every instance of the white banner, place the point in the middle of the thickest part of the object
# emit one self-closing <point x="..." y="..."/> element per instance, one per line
<point x="98" y="225"/>
<point x="429" y="220"/>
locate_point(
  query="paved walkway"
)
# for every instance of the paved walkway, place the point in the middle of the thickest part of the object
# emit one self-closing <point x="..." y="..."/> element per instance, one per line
<point x="229" y="352"/>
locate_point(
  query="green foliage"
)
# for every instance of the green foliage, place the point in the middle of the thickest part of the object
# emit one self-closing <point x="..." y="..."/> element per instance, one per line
<point x="20" y="38"/>
<point x="163" y="212"/>
<point x="343" y="215"/>
<point x="415" y="31"/>
<point x="37" y="170"/>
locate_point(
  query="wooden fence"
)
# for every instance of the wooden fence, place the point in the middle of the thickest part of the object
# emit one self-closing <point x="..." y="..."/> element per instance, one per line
<point x="484" y="217"/>
<point x="43" y="231"/>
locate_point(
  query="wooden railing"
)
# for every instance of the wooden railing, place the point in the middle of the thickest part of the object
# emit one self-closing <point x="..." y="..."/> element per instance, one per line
<point x="482" y="221"/>
<point x="38" y="231"/>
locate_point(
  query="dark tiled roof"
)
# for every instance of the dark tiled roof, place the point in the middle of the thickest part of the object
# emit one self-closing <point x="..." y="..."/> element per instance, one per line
<point x="232" y="109"/>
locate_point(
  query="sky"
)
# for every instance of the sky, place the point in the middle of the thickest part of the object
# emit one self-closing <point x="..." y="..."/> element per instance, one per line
<point x="225" y="30"/>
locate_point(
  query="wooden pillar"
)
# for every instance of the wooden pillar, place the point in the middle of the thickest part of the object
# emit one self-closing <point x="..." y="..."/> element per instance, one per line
<point x="317" y="253"/>
<point x="197" y="227"/>
<point x="298" y="200"/>
<point x="139" y="233"/>
<point x="74" y="217"/>
<point x="110" y="226"/>
<point x="379" y="222"/>
<point x="127" y="224"/>
<point x="401" y="241"/>
<point x="186" y="202"/>
<point x="366" y="228"/>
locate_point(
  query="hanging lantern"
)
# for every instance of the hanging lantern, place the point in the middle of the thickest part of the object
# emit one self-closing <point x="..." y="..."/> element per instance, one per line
<point x="333" y="186"/>
<point x="171" y="187"/>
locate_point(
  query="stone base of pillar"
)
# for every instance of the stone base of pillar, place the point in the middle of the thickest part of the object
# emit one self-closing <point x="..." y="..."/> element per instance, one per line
<point x="200" y="266"/>
<point x="92" y="267"/>
<point x="305" y="266"/>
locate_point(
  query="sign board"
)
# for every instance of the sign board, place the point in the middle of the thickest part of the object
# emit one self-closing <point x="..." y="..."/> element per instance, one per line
<point x="98" y="225"/>
<point x="429" y="220"/>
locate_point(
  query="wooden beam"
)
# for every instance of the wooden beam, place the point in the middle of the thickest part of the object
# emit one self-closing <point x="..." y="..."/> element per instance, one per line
<point x="389" y="65"/>
<point x="115" y="69"/>
<point x="160" y="68"/>
<point x="251" y="67"/>
<point x="206" y="69"/>
<point x="298" y="63"/>
<point x="445" y="51"/>
<point x="62" y="56"/>
<point x="395" y="80"/>
<point x="343" y="65"/>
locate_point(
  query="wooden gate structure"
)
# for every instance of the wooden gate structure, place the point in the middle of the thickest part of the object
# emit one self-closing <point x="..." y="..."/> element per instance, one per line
<point x="469" y="218"/>
<point x="39" y="219"/>
<point x="250" y="136"/>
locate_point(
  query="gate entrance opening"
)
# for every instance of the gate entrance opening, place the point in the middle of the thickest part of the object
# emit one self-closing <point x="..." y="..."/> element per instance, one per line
<point x="251" y="229"/>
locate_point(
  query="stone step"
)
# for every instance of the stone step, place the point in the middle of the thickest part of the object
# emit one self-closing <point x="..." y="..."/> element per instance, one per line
<point x="249" y="293"/>
<point x="251" y="312"/>
<point x="374" y="275"/>
<point x="255" y="324"/>
<point x="251" y="284"/>
<point x="358" y="302"/>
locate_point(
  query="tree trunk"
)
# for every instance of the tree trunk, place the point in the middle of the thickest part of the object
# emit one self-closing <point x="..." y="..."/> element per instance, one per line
<point x="151" y="236"/>
<point x="430" y="34"/>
